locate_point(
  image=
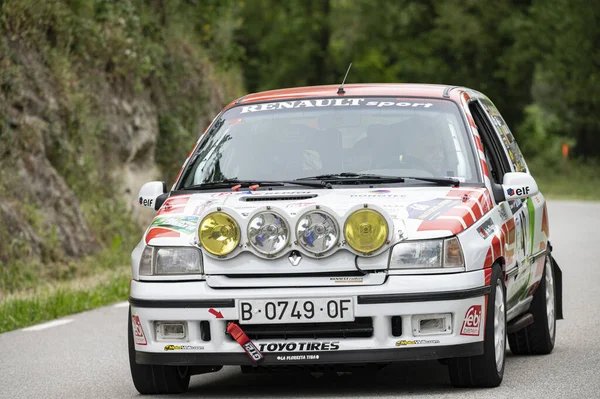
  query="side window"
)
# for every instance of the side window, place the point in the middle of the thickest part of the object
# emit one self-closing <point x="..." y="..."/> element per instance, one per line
<point x="508" y="141"/>
<point x="498" y="164"/>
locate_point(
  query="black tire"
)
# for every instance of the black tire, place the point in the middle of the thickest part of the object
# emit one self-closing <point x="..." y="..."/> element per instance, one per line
<point x="481" y="370"/>
<point x="536" y="338"/>
<point x="155" y="379"/>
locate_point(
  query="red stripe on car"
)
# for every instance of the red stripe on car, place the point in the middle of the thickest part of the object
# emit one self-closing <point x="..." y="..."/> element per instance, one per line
<point x="461" y="213"/>
<point x="159" y="232"/>
<point x="485" y="168"/>
<point x="488" y="272"/>
<point x="454" y="226"/>
<point x="478" y="143"/>
<point x="496" y="246"/>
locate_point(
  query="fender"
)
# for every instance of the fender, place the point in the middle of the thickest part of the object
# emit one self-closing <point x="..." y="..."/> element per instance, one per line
<point x="557" y="284"/>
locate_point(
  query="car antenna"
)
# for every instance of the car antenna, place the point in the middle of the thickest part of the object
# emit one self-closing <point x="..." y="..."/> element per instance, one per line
<point x="341" y="88"/>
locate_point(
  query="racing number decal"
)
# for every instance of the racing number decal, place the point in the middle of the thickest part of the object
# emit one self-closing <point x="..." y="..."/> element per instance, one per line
<point x="518" y="288"/>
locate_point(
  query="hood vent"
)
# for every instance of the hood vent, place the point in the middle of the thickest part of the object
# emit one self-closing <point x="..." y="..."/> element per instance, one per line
<point x="278" y="197"/>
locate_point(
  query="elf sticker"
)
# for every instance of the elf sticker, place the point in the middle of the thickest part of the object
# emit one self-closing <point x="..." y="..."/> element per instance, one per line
<point x="472" y="321"/>
<point x="138" y="333"/>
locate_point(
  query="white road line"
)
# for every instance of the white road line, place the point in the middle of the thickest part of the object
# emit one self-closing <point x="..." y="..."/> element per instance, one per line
<point x="121" y="305"/>
<point x="50" y="324"/>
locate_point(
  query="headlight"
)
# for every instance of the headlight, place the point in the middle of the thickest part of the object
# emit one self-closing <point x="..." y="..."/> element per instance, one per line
<point x="427" y="254"/>
<point x="174" y="260"/>
<point x="317" y="232"/>
<point x="366" y="231"/>
<point x="219" y="233"/>
<point x="268" y="233"/>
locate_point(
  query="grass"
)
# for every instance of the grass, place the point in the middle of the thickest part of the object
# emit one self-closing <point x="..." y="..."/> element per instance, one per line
<point x="573" y="181"/>
<point x="25" y="308"/>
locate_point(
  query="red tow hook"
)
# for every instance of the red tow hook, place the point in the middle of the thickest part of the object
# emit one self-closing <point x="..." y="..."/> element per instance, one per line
<point x="240" y="336"/>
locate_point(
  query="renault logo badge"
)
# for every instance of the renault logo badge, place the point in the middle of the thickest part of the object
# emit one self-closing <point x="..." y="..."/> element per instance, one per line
<point x="295" y="258"/>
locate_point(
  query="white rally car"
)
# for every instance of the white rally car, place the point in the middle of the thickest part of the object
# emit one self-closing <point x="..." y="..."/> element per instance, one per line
<point x="325" y="227"/>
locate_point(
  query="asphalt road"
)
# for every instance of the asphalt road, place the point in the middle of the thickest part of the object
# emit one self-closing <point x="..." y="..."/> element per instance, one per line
<point x="86" y="357"/>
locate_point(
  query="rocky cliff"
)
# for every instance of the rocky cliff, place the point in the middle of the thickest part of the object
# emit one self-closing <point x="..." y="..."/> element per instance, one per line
<point x="78" y="137"/>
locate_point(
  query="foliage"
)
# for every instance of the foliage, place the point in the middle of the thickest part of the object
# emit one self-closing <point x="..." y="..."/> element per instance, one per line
<point x="519" y="53"/>
<point x="77" y="56"/>
<point x="52" y="303"/>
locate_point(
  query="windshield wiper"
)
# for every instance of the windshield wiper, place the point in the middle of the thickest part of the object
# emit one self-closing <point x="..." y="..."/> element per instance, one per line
<point x="230" y="183"/>
<point x="374" y="178"/>
<point x="442" y="181"/>
<point x="355" y="178"/>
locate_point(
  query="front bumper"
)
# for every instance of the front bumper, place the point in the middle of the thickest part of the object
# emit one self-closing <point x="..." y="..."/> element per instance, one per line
<point x="403" y="298"/>
<point x="304" y="358"/>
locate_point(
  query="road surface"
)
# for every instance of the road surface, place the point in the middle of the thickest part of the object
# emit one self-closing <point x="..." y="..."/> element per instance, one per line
<point x="85" y="355"/>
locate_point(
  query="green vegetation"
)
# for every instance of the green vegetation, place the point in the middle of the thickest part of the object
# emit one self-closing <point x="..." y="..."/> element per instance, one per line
<point x="537" y="60"/>
<point x="64" y="65"/>
<point x="568" y="181"/>
<point x="47" y="303"/>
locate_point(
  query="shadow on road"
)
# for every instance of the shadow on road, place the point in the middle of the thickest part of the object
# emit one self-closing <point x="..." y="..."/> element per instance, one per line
<point x="423" y="378"/>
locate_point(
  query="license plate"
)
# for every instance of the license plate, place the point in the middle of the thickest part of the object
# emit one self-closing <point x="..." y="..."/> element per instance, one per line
<point x="320" y="310"/>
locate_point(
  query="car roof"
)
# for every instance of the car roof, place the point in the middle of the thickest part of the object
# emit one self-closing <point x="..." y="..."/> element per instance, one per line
<point x="364" y="89"/>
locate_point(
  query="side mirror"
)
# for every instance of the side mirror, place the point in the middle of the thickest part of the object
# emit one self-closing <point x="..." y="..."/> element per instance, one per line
<point x="153" y="194"/>
<point x="519" y="185"/>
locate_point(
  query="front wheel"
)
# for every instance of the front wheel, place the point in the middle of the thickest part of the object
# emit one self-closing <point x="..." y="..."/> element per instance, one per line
<point x="486" y="370"/>
<point x="155" y="379"/>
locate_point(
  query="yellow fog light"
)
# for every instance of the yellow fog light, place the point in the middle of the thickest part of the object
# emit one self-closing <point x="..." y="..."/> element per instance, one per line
<point x="366" y="231"/>
<point x="219" y="233"/>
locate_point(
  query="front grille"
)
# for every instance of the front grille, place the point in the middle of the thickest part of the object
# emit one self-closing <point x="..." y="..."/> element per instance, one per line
<point x="362" y="327"/>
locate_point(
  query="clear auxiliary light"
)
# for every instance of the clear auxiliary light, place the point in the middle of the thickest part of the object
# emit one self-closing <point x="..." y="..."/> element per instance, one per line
<point x="268" y="233"/>
<point x="317" y="232"/>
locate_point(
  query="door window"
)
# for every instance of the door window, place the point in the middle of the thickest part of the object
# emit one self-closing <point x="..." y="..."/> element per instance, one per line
<point x="506" y="137"/>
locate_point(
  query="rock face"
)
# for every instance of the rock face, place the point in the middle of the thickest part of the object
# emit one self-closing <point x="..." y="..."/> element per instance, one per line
<point x="133" y="125"/>
<point x="41" y="216"/>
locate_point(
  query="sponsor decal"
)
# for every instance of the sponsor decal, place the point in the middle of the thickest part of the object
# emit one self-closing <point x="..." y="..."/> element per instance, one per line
<point x="486" y="229"/>
<point x="174" y="205"/>
<point x="298" y="357"/>
<point x="252" y="351"/>
<point x="180" y="224"/>
<point x="503" y="214"/>
<point x="147" y="202"/>
<point x="472" y="321"/>
<point x="183" y="347"/>
<point x="519" y="191"/>
<point x="299" y="346"/>
<point x="138" y="332"/>
<point x="331" y="102"/>
<point x="346" y="280"/>
<point x="432" y="209"/>
<point x="377" y="195"/>
<point x="515" y="205"/>
<point x="404" y="342"/>
<point x="300" y="204"/>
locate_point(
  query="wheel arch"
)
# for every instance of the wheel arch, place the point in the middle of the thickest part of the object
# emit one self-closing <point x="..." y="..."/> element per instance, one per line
<point x="557" y="284"/>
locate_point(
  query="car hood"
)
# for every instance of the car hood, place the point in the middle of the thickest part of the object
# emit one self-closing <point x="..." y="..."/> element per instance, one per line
<point x="416" y="212"/>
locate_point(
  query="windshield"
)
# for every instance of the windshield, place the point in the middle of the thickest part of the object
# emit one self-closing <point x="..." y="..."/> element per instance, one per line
<point x="289" y="140"/>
